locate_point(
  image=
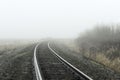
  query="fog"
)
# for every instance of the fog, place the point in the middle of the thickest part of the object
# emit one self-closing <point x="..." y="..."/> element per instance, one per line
<point x="26" y="19"/>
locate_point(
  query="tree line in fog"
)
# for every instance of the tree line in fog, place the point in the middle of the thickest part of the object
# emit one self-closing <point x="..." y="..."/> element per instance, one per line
<point x="104" y="39"/>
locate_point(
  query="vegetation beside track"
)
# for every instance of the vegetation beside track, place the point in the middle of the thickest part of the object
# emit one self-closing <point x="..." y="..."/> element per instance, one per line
<point x="91" y="68"/>
<point x="16" y="62"/>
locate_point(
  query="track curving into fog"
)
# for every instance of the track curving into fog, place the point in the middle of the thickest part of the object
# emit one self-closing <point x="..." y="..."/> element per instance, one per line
<point x="50" y="66"/>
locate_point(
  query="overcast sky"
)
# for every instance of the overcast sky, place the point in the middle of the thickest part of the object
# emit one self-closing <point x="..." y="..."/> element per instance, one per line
<point x="54" y="18"/>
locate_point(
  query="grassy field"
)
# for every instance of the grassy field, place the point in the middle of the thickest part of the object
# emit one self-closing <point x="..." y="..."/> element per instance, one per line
<point x="16" y="60"/>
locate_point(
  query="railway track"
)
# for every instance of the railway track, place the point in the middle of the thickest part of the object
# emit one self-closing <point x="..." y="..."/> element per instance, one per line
<point x="50" y="66"/>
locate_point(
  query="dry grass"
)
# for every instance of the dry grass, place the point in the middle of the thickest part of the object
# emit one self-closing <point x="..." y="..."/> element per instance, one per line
<point x="102" y="44"/>
<point x="13" y="44"/>
<point x="70" y="43"/>
<point x="101" y="58"/>
<point x="89" y="66"/>
<point x="98" y="57"/>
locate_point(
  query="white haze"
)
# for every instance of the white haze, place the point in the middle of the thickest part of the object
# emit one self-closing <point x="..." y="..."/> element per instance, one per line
<point x="54" y="18"/>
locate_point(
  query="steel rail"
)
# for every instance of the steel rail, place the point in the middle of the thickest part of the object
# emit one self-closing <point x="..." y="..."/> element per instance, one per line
<point x="37" y="70"/>
<point x="70" y="65"/>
